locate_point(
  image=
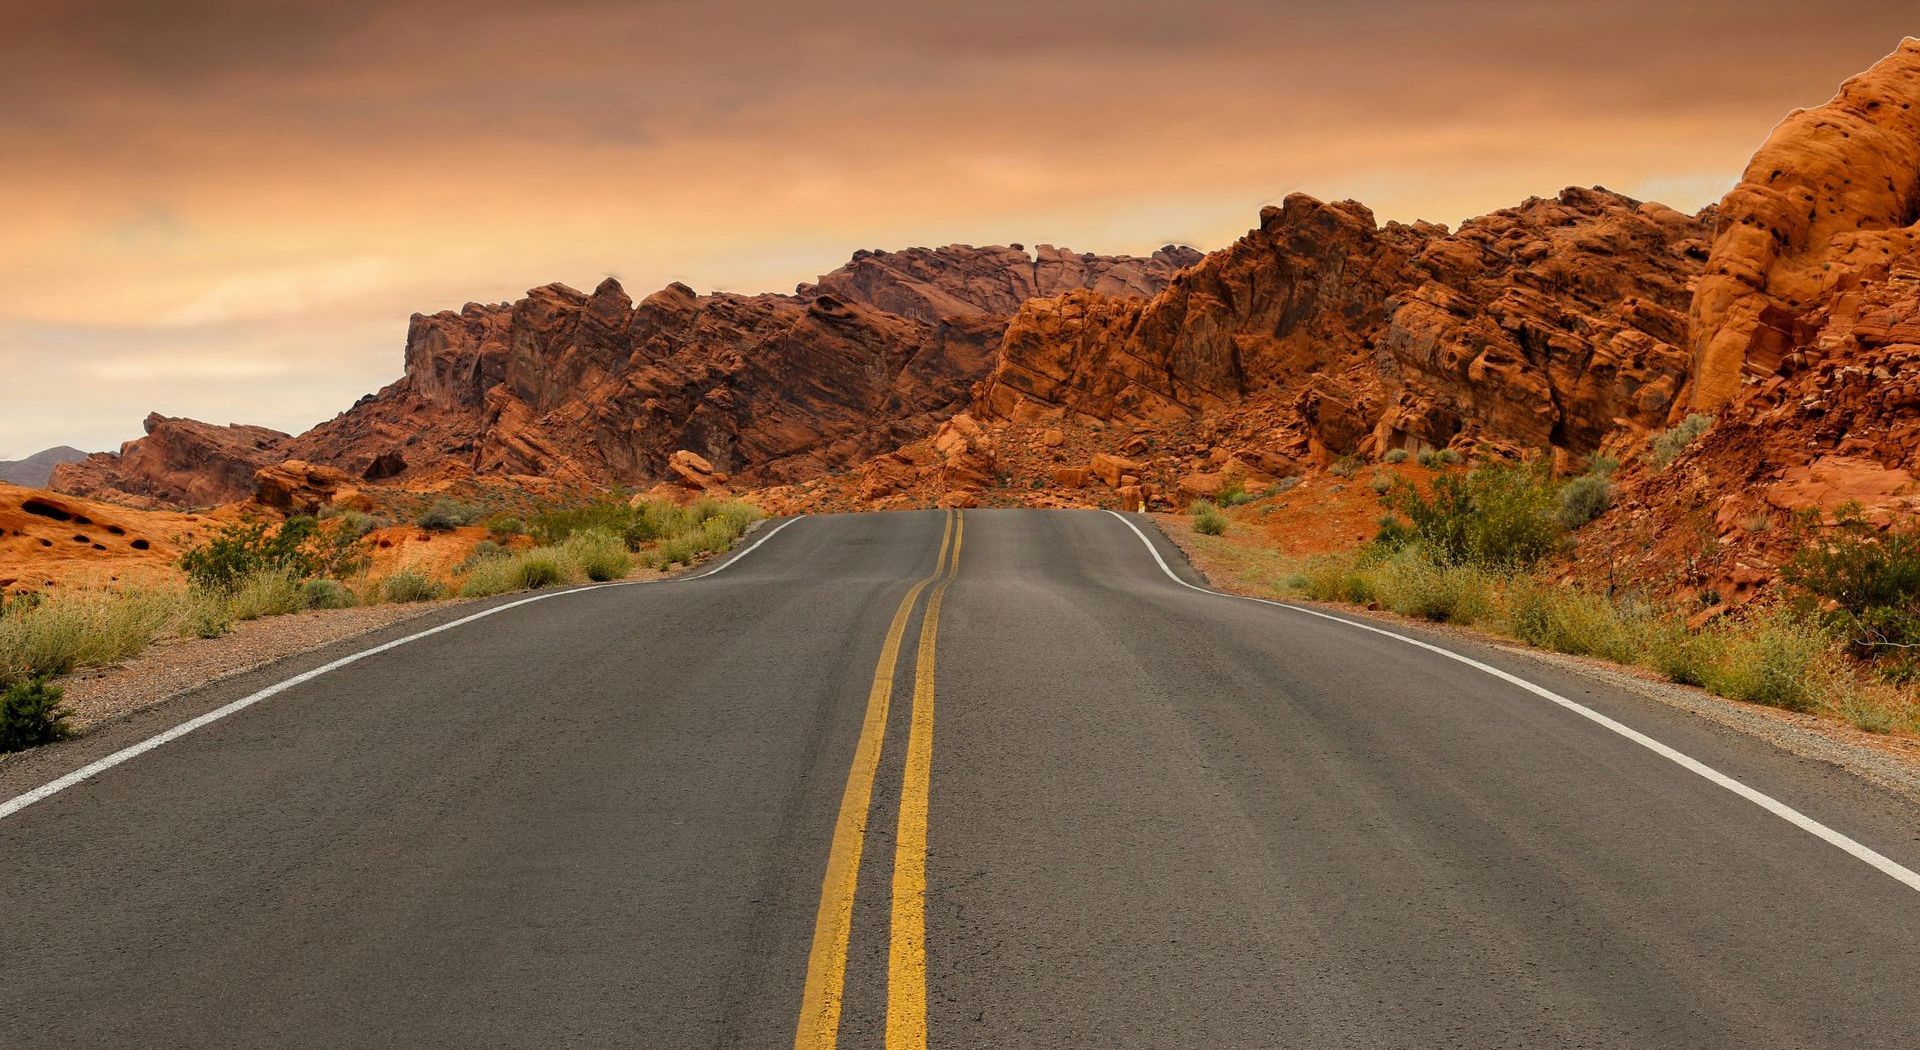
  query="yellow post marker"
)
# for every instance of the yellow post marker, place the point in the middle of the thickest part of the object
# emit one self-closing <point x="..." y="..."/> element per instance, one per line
<point x="819" y="1027"/>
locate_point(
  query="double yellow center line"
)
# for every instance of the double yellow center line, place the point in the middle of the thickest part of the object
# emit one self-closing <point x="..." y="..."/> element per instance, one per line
<point x="820" y="1003"/>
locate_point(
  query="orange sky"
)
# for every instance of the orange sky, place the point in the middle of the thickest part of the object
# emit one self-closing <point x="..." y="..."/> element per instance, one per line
<point x="228" y="209"/>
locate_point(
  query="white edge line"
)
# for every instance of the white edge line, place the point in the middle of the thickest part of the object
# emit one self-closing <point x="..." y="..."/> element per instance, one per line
<point x="1765" y="801"/>
<point x="101" y="765"/>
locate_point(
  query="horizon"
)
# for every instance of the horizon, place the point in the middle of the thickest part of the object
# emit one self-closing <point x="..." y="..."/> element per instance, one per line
<point x="237" y="212"/>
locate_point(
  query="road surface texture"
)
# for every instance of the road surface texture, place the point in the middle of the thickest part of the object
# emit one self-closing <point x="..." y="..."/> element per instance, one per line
<point x="977" y="779"/>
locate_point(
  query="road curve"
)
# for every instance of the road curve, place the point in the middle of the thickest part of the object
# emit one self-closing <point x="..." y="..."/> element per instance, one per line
<point x="977" y="779"/>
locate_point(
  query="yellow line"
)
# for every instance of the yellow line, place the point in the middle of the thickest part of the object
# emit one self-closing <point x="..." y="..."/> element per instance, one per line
<point x="907" y="952"/>
<point x="819" y="1026"/>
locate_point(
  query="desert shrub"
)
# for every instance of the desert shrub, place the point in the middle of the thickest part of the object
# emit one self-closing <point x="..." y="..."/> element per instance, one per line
<point x="1398" y="455"/>
<point x="598" y="554"/>
<point x="1335" y="580"/>
<point x="1414" y="586"/>
<point x="266" y="593"/>
<point x="1584" y="498"/>
<point x="1570" y="620"/>
<point x="1672" y="650"/>
<point x="540" y="567"/>
<point x="1234" y="493"/>
<point x="446" y="515"/>
<point x="1872" y="581"/>
<point x="83" y="629"/>
<point x="1667" y="445"/>
<point x="1381" y="482"/>
<point x="205" y="615"/>
<point x="1344" y="467"/>
<point x="408" y="585"/>
<point x="1446" y="457"/>
<point x="1769" y="660"/>
<point x="502" y="527"/>
<point x="31" y="714"/>
<point x="1500" y="518"/>
<point x="240" y="550"/>
<point x="327" y="594"/>
<point x="354" y="524"/>
<point x="1207" y="519"/>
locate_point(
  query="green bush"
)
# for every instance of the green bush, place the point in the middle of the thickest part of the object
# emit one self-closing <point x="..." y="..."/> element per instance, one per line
<point x="1769" y="661"/>
<point x="1234" y="493"/>
<point x="502" y="527"/>
<point x="1344" y="467"/>
<point x="1872" y="580"/>
<point x="82" y="629"/>
<point x="1414" y="586"/>
<point x="1672" y="650"/>
<point x="31" y="714"/>
<point x="240" y="550"/>
<point x="1498" y="517"/>
<point x="327" y="594"/>
<point x="1398" y="455"/>
<point x="446" y="515"/>
<point x="599" y="555"/>
<point x="1570" y="620"/>
<point x="1334" y="579"/>
<point x="264" y="594"/>
<point x="1584" y="499"/>
<point x="1207" y="519"/>
<point x="410" y="586"/>
<point x="1667" y="445"/>
<point x="1381" y="482"/>
<point x="540" y="567"/>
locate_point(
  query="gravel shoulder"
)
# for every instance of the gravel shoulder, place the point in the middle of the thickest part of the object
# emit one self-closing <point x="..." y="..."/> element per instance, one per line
<point x="1890" y="762"/>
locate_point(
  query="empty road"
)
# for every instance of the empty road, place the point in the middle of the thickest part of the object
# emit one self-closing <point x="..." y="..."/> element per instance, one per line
<point x="974" y="779"/>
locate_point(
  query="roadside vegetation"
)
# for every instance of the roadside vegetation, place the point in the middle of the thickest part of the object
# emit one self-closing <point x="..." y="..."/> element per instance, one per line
<point x="1470" y="549"/>
<point x="248" y="570"/>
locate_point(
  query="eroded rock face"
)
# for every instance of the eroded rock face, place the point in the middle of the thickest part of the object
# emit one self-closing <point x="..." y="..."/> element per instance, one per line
<point x="181" y="462"/>
<point x="934" y="284"/>
<point x="1549" y="325"/>
<point x="1544" y="326"/>
<point x="1301" y="291"/>
<point x="593" y="388"/>
<point x="1824" y="207"/>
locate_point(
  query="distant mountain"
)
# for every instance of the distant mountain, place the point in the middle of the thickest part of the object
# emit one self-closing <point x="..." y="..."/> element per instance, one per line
<point x="34" y="470"/>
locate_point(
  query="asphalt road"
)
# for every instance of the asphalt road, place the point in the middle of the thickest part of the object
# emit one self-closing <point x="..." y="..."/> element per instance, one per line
<point x="788" y="804"/>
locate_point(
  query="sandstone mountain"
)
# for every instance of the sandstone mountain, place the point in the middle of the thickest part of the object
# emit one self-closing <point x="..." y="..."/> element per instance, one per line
<point x="1573" y="326"/>
<point x="34" y="470"/>
<point x="597" y="389"/>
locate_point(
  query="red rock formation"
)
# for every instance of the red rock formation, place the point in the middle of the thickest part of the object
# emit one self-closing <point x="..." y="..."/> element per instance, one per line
<point x="594" y="389"/>
<point x="934" y="284"/>
<point x="1301" y="291"/>
<point x="1824" y="207"/>
<point x="181" y="462"/>
<point x="1837" y="422"/>
<point x="1543" y="326"/>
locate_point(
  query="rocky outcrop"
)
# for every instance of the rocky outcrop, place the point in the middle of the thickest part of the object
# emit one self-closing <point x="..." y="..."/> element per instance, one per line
<point x="1301" y="291"/>
<point x="181" y="462"/>
<point x="1822" y="210"/>
<point x="1546" y="326"/>
<point x="934" y="284"/>
<point x="595" y="389"/>
<point x="1836" y="423"/>
<point x="297" y="487"/>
